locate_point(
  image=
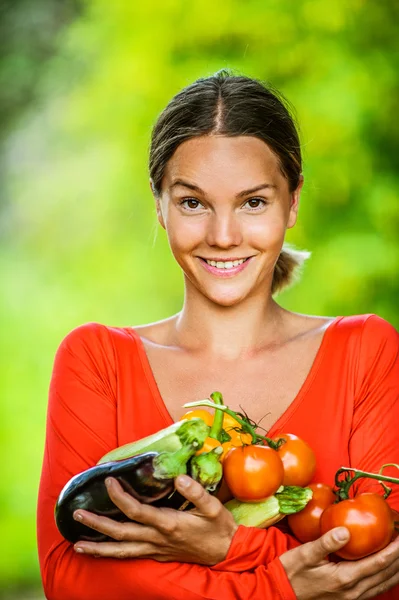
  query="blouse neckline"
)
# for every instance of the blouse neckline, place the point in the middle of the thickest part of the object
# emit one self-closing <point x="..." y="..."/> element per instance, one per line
<point x="284" y="417"/>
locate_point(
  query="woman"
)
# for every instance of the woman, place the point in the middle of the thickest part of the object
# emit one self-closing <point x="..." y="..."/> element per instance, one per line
<point x="225" y="166"/>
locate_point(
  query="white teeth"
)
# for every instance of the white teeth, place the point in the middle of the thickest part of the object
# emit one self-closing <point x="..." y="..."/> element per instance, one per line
<point x="225" y="265"/>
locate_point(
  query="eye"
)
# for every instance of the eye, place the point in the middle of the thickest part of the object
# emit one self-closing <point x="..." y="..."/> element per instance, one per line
<point x="255" y="203"/>
<point x="190" y="203"/>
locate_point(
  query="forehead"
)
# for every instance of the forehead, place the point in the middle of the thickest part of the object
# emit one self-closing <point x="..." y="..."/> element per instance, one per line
<point x="232" y="161"/>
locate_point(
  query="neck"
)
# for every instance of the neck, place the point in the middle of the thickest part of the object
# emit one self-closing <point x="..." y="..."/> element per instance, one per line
<point x="227" y="331"/>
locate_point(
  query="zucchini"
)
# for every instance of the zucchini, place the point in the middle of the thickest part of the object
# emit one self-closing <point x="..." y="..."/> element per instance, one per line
<point x="287" y="501"/>
<point x="170" y="439"/>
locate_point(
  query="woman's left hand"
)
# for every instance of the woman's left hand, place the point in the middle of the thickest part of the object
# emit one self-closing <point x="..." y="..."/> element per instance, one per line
<point x="202" y="535"/>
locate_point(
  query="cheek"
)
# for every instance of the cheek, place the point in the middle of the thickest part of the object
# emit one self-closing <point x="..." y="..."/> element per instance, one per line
<point x="184" y="236"/>
<point x="266" y="232"/>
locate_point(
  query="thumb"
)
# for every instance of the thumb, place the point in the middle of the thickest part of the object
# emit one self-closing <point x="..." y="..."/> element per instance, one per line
<point x="328" y="543"/>
<point x="197" y="495"/>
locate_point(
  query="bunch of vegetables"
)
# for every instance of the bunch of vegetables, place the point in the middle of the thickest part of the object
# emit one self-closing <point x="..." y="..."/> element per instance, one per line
<point x="260" y="477"/>
<point x="268" y="479"/>
<point x="367" y="516"/>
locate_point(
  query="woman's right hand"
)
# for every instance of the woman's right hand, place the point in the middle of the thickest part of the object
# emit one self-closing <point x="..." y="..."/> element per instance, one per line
<point x="313" y="577"/>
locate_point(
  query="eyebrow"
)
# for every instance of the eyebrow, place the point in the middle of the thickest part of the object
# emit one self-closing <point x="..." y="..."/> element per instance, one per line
<point x="195" y="188"/>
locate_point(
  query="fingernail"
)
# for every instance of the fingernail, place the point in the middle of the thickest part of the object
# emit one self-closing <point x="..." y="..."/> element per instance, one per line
<point x="183" y="481"/>
<point x="78" y="516"/>
<point x="79" y="550"/>
<point x="340" y="535"/>
<point x="108" y="482"/>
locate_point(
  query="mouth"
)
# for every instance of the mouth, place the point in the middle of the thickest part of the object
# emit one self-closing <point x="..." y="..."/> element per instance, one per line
<point x="225" y="264"/>
<point x="225" y="268"/>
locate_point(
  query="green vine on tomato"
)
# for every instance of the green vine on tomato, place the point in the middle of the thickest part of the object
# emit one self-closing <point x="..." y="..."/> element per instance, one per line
<point x="351" y="475"/>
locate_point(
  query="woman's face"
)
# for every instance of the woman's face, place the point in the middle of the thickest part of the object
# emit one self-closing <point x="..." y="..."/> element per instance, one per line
<point x="226" y="206"/>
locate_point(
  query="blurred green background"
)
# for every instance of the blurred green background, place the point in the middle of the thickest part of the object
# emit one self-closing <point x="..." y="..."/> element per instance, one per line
<point x="81" y="84"/>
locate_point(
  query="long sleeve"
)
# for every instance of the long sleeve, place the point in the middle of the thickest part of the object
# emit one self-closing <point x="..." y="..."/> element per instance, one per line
<point x="81" y="427"/>
<point x="375" y="432"/>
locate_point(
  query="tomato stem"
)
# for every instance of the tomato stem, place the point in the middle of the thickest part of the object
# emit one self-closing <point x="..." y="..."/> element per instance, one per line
<point x="352" y="475"/>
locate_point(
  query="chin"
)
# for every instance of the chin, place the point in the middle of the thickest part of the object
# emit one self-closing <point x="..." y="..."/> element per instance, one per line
<point x="225" y="299"/>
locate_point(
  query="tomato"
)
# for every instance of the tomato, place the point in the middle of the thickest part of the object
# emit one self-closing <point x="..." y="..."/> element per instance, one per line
<point x="298" y="459"/>
<point x="253" y="473"/>
<point x="305" y="524"/>
<point x="199" y="413"/>
<point x="370" y="522"/>
<point x="209" y="444"/>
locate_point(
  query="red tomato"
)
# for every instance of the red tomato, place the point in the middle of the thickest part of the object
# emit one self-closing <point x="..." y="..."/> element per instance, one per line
<point x="253" y="472"/>
<point x="370" y="522"/>
<point x="298" y="459"/>
<point x="305" y="525"/>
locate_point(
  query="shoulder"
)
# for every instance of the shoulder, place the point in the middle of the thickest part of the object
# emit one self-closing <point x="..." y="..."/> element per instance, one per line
<point x="371" y="341"/>
<point x="368" y="328"/>
<point x="95" y="339"/>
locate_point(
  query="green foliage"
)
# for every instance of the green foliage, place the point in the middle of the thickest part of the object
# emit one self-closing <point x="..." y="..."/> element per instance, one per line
<point x="79" y="238"/>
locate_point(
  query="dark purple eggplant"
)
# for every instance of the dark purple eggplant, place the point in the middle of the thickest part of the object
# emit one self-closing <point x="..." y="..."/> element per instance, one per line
<point x="142" y="476"/>
<point x="148" y="477"/>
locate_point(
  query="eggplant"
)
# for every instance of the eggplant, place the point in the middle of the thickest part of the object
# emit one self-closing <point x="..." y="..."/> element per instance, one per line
<point x="147" y="477"/>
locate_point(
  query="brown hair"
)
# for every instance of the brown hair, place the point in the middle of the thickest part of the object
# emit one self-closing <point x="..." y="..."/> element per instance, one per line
<point x="232" y="105"/>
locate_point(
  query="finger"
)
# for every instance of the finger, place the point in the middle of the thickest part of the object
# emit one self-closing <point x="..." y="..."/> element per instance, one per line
<point x="114" y="529"/>
<point x="382" y="587"/>
<point x="384" y="566"/>
<point x="383" y="577"/>
<point x="317" y="551"/>
<point x="375" y="563"/>
<point x="158" y="518"/>
<point x="193" y="491"/>
<point x="114" y="549"/>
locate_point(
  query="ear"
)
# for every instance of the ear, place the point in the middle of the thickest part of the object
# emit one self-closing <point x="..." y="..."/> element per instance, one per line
<point x="159" y="213"/>
<point x="295" y="197"/>
<point x="157" y="205"/>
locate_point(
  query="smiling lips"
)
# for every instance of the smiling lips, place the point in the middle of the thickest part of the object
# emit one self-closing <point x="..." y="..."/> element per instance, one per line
<point x="226" y="268"/>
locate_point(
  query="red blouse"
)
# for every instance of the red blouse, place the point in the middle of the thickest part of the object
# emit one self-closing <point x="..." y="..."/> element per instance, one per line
<point x="103" y="394"/>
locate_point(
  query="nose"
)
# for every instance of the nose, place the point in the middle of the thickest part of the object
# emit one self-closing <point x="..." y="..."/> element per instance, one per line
<point x="224" y="230"/>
